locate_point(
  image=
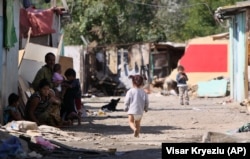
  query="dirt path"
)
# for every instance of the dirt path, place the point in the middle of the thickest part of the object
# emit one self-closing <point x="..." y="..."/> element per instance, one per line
<point x="166" y="121"/>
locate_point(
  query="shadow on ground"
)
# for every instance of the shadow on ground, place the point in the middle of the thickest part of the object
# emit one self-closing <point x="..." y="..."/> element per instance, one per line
<point x="133" y="154"/>
<point x="118" y="129"/>
<point x="149" y="153"/>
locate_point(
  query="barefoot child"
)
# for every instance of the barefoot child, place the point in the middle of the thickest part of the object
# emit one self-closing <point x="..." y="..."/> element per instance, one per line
<point x="136" y="102"/>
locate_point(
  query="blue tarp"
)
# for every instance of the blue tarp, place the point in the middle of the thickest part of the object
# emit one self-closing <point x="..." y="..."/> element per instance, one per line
<point x="213" y="88"/>
<point x="10" y="147"/>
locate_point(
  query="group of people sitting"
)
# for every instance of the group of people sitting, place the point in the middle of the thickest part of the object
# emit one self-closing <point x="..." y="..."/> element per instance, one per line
<point x="56" y="100"/>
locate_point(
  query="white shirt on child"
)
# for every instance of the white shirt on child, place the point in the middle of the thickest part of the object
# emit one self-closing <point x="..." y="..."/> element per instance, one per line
<point x="136" y="101"/>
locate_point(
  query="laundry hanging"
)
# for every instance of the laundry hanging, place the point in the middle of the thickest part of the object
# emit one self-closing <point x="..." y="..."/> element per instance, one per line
<point x="10" y="37"/>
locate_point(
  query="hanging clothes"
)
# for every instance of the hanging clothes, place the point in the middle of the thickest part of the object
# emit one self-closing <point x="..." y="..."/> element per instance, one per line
<point x="40" y="21"/>
<point x="10" y="37"/>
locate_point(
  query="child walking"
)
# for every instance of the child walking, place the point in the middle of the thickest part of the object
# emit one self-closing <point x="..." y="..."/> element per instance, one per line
<point x="136" y="102"/>
<point x="181" y="80"/>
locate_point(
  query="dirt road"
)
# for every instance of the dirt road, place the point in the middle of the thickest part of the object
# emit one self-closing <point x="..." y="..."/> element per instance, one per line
<point x="166" y="121"/>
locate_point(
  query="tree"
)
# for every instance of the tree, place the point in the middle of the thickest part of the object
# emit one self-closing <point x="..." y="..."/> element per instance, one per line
<point x="198" y="19"/>
<point x="172" y="18"/>
<point x="112" y="21"/>
<point x="128" y="21"/>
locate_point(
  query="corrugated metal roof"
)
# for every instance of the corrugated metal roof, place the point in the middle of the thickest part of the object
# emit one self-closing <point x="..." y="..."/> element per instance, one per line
<point x="238" y="7"/>
<point x="172" y="44"/>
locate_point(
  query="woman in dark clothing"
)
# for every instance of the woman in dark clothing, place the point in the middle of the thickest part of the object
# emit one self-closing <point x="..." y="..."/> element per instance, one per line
<point x="43" y="107"/>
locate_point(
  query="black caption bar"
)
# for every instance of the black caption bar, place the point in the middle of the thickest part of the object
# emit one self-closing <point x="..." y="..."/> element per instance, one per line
<point x="205" y="150"/>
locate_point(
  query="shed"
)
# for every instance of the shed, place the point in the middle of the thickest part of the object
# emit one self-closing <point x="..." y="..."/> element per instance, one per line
<point x="239" y="24"/>
<point x="165" y="57"/>
<point x="108" y="68"/>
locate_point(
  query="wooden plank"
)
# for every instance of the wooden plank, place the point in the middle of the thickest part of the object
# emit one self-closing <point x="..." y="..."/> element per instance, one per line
<point x="23" y="87"/>
<point x="66" y="62"/>
<point x="29" y="68"/>
<point x="60" y="46"/>
<point x="112" y="59"/>
<point x="248" y="50"/>
<point x="37" y="52"/>
<point x="20" y="57"/>
<point x="240" y="26"/>
<point x="72" y="151"/>
<point x="22" y="52"/>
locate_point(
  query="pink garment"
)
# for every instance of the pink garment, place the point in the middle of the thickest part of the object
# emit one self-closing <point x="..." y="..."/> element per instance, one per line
<point x="57" y="77"/>
<point x="40" y="21"/>
<point x="41" y="141"/>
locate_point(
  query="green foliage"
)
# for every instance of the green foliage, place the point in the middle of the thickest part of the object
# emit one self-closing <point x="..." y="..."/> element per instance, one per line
<point x="200" y="19"/>
<point x="127" y="21"/>
<point x="112" y="21"/>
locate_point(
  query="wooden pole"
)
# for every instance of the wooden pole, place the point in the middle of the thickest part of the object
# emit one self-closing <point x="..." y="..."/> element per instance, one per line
<point x="27" y="42"/>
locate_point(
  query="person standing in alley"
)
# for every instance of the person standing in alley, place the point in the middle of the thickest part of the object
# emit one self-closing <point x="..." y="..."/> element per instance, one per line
<point x="181" y="79"/>
<point x="136" y="102"/>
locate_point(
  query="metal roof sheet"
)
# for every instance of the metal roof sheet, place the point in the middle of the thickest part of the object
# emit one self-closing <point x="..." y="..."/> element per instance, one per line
<point x="233" y="8"/>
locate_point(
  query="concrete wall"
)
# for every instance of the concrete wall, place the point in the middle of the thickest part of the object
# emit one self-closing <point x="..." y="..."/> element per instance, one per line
<point x="74" y="52"/>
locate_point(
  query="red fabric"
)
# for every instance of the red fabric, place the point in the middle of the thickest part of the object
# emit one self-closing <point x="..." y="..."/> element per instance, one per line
<point x="205" y="58"/>
<point x="40" y="21"/>
<point x="24" y="23"/>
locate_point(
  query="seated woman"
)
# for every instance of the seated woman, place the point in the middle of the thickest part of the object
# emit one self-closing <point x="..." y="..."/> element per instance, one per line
<point x="43" y="107"/>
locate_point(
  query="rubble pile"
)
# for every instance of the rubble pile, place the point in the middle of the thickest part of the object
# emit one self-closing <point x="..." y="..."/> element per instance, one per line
<point x="158" y="82"/>
<point x="26" y="140"/>
<point x="192" y="91"/>
<point x="101" y="86"/>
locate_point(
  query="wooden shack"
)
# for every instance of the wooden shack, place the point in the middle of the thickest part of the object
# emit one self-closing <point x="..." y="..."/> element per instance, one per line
<point x="238" y="16"/>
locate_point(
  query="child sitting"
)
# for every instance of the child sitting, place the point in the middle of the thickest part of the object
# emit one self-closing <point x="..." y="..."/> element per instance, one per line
<point x="72" y="96"/>
<point x="11" y="112"/>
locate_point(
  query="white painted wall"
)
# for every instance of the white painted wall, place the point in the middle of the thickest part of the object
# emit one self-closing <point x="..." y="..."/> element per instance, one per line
<point x="74" y="52"/>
